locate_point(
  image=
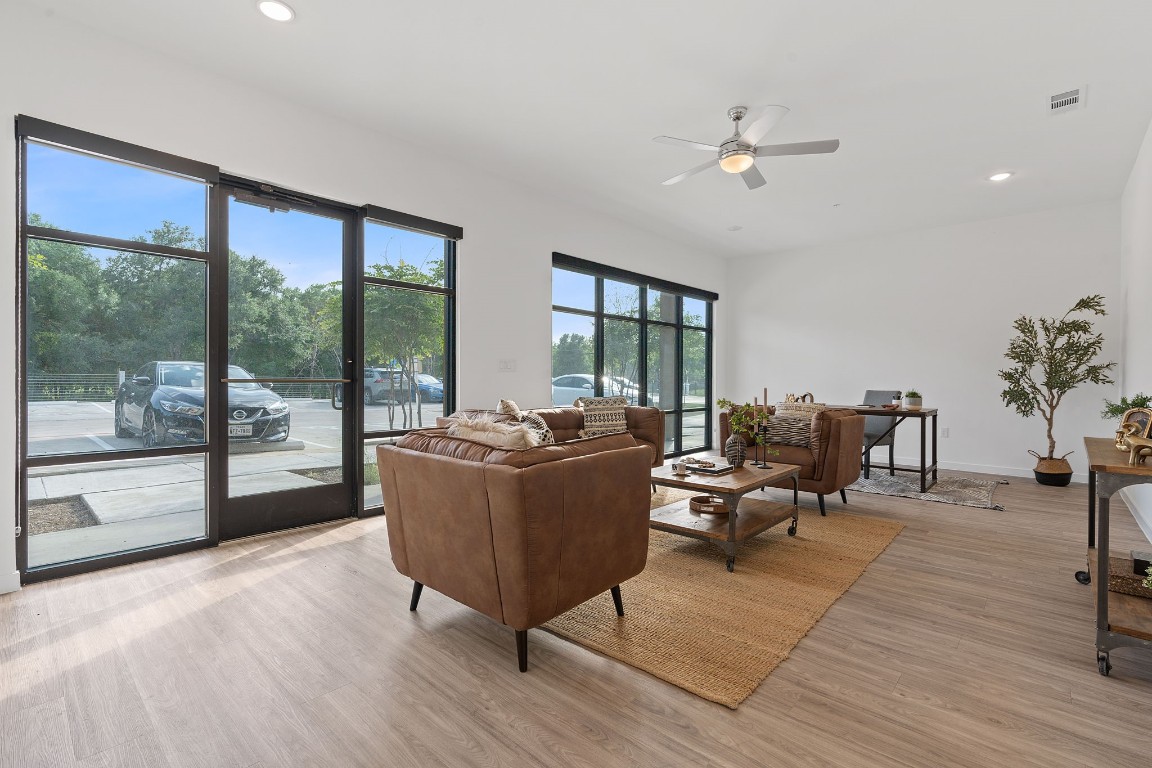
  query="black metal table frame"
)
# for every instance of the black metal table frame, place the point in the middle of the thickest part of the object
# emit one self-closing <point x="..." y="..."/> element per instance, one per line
<point x="1106" y="640"/>
<point x="925" y="467"/>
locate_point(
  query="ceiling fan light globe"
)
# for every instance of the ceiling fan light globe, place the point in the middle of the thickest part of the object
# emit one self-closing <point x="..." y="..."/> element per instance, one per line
<point x="736" y="162"/>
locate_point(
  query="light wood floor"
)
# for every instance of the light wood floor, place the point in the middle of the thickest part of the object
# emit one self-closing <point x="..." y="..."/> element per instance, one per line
<point x="967" y="643"/>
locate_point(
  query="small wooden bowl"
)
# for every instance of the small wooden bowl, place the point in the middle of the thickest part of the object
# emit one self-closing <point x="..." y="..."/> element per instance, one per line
<point x="707" y="505"/>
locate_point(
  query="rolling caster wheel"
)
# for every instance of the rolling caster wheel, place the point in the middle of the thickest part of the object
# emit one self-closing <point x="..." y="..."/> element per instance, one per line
<point x="1083" y="577"/>
<point x="792" y="529"/>
<point x="1102" y="663"/>
<point x="731" y="564"/>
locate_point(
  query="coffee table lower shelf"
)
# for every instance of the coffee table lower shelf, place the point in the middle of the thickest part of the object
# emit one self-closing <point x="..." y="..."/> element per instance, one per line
<point x="753" y="516"/>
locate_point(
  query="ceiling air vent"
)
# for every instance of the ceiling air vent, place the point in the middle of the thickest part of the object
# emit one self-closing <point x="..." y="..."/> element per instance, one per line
<point x="1067" y="101"/>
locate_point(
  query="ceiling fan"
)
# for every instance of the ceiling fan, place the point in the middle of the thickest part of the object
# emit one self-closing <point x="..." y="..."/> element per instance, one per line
<point x="739" y="152"/>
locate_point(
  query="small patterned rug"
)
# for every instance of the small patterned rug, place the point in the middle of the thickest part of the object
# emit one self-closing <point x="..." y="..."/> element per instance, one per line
<point x="964" y="491"/>
<point x="688" y="621"/>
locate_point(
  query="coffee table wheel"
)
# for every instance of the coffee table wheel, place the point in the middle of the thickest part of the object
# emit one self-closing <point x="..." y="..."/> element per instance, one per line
<point x="731" y="564"/>
<point x="1102" y="663"/>
<point x="1083" y="577"/>
<point x="792" y="529"/>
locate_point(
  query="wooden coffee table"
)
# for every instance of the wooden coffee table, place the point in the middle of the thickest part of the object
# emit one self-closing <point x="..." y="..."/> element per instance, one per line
<point x="744" y="519"/>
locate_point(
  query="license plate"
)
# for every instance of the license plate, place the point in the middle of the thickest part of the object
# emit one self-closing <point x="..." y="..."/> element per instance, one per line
<point x="240" y="430"/>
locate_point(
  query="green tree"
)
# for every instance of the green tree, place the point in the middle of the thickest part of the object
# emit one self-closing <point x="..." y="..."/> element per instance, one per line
<point x="572" y="353"/>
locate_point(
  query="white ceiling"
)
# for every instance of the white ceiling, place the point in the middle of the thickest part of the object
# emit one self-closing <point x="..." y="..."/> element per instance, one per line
<point x="928" y="98"/>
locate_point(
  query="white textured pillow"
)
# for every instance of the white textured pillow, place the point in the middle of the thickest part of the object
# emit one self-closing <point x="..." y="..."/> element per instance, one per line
<point x="499" y="434"/>
<point x="509" y="408"/>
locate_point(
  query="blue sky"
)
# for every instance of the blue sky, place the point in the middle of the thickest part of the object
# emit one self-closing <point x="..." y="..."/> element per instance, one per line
<point x="87" y="194"/>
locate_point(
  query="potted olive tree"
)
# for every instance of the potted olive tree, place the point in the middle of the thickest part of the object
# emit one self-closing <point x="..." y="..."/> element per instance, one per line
<point x="1052" y="356"/>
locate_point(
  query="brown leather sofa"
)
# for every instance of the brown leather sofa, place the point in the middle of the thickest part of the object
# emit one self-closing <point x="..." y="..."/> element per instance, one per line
<point x="519" y="535"/>
<point x="645" y="424"/>
<point x="830" y="464"/>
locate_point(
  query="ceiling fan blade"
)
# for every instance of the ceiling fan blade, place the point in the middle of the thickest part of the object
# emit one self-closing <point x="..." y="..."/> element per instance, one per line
<point x="692" y="172"/>
<point x="753" y="178"/>
<point x="799" y="148"/>
<point x="685" y="143"/>
<point x="762" y="124"/>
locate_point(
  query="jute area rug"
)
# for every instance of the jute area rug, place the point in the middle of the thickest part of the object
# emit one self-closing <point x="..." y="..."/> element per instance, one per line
<point x="964" y="491"/>
<point x="688" y="621"/>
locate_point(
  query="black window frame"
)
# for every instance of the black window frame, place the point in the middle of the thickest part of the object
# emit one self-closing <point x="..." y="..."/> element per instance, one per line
<point x="602" y="272"/>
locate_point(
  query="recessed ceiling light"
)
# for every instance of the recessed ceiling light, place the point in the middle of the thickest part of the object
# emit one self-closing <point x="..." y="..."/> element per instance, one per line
<point x="276" y="10"/>
<point x="1002" y="176"/>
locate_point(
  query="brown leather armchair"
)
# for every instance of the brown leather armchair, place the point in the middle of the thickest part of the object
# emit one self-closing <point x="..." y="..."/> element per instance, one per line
<point x="519" y="535"/>
<point x="832" y="461"/>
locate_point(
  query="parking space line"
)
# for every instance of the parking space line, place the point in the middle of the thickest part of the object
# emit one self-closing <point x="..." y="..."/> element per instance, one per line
<point x="100" y="442"/>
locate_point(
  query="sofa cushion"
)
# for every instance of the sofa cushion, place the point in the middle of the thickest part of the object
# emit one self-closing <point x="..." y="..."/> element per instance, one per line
<point x="438" y="441"/>
<point x="603" y="415"/>
<point x="799" y="409"/>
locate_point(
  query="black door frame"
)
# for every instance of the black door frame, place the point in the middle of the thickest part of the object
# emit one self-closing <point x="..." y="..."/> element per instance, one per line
<point x="236" y="517"/>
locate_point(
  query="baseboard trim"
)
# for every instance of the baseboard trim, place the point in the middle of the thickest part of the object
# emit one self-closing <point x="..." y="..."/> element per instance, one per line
<point x="1139" y="501"/>
<point x="9" y="582"/>
<point x="987" y="469"/>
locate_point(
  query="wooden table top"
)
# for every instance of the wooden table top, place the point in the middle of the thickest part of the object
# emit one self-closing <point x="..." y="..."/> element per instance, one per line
<point x="1104" y="457"/>
<point x="876" y="410"/>
<point x="747" y="478"/>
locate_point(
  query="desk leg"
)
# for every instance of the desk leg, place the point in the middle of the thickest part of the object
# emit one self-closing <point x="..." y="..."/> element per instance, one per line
<point x="935" y="461"/>
<point x="1102" y="585"/>
<point x="923" y="458"/>
<point x="1085" y="577"/>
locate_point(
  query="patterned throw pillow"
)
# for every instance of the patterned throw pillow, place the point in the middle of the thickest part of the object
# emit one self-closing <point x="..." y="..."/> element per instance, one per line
<point x="533" y="422"/>
<point x="603" y="415"/>
<point x="788" y="430"/>
<point x="536" y="424"/>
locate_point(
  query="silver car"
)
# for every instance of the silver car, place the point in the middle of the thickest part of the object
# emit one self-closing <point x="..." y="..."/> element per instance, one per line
<point x="565" y="389"/>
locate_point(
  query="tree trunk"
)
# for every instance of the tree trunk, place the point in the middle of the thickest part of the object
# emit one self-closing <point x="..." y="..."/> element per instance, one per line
<point x="1051" y="439"/>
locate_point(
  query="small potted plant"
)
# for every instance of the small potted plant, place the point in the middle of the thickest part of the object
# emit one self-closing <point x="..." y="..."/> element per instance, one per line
<point x="1116" y="410"/>
<point x="741" y="419"/>
<point x="912" y="400"/>
<point x="1052" y="356"/>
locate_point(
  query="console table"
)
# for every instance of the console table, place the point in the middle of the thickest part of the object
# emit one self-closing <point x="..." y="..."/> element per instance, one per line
<point x="898" y="415"/>
<point x="1122" y="621"/>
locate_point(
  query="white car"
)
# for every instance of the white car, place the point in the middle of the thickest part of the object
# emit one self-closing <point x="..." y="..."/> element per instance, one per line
<point x="565" y="389"/>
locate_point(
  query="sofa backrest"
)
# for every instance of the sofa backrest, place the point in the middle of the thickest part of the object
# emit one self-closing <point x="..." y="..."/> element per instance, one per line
<point x="438" y="441"/>
<point x="645" y="424"/>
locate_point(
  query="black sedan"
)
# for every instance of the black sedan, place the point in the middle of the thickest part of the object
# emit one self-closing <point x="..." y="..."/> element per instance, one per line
<point x="163" y="402"/>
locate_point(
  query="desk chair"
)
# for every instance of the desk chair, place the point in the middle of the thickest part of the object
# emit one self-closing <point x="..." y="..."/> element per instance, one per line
<point x="874" y="426"/>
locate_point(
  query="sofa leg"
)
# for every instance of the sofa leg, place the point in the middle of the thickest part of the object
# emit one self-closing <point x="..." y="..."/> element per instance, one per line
<point x="417" y="588"/>
<point x="618" y="600"/>
<point x="522" y="649"/>
<point x="844" y="495"/>
<point x="820" y="498"/>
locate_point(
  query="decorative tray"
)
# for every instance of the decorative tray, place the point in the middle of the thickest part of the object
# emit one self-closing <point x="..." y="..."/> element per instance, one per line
<point x="723" y="470"/>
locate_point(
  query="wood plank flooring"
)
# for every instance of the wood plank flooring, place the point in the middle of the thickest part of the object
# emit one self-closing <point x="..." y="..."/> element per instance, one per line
<point x="967" y="643"/>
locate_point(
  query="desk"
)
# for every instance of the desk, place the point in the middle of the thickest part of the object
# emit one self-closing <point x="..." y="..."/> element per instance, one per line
<point x="898" y="415"/>
<point x="1130" y="622"/>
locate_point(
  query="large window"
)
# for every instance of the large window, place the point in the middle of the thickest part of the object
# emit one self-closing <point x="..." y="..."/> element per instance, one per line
<point x="621" y="333"/>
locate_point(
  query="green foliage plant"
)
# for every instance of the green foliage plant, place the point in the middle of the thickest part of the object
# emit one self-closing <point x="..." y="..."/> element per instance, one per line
<point x="912" y="393"/>
<point x="1052" y="357"/>
<point x="1116" y="410"/>
<point x="1148" y="581"/>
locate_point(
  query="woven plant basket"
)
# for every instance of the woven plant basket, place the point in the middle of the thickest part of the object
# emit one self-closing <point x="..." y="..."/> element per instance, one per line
<point x="1052" y="471"/>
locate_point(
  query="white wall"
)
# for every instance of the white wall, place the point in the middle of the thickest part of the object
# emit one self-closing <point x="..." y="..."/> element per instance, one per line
<point x="108" y="87"/>
<point x="930" y="309"/>
<point x="1136" y="274"/>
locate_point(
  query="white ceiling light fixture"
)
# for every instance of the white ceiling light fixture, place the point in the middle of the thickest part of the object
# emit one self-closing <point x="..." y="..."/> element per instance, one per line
<point x="276" y="10"/>
<point x="1002" y="176"/>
